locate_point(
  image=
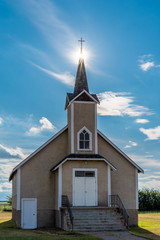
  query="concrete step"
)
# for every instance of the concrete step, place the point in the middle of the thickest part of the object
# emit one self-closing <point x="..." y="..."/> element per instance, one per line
<point x="97" y="219"/>
<point x="98" y="229"/>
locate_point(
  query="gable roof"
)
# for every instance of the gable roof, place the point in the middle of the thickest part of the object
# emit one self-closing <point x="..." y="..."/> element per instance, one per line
<point x="71" y="97"/>
<point x="120" y="151"/>
<point x="36" y="151"/>
<point x="75" y="156"/>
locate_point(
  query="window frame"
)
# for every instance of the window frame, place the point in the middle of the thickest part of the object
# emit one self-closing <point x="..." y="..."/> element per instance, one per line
<point x="90" y="140"/>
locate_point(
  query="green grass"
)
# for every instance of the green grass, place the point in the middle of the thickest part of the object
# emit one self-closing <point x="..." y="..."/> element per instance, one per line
<point x="149" y="225"/>
<point x="9" y="231"/>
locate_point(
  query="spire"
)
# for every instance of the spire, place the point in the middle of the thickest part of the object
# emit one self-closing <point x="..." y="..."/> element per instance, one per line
<point x="81" y="78"/>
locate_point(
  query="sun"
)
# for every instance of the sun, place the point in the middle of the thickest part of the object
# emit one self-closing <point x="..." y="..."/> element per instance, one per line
<point x="76" y="55"/>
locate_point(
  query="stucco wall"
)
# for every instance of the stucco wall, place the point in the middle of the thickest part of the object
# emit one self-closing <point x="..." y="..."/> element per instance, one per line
<point x="37" y="181"/>
<point x="123" y="181"/>
<point x="67" y="176"/>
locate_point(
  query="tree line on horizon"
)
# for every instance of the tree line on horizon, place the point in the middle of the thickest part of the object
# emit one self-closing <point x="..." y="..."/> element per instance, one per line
<point x="149" y="200"/>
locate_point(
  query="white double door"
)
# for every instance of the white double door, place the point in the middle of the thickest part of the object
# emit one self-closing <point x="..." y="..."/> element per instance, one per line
<point x="85" y="187"/>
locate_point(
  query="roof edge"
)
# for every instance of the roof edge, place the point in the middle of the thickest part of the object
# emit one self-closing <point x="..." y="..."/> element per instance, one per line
<point x="36" y="151"/>
<point x="84" y="91"/>
<point x="120" y="151"/>
<point x="92" y="159"/>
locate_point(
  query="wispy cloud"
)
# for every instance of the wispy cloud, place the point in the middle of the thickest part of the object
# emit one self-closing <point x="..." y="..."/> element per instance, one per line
<point x="131" y="144"/>
<point x="152" y="183"/>
<point x="146" y="62"/>
<point x="45" y="125"/>
<point x="119" y="104"/>
<point x="65" y="78"/>
<point x="5" y="186"/>
<point x="151" y="133"/>
<point x="6" y="167"/>
<point x="142" y="120"/>
<point x="45" y="16"/>
<point x="1" y="121"/>
<point x="151" y="178"/>
<point x="14" y="152"/>
<point x="146" y="161"/>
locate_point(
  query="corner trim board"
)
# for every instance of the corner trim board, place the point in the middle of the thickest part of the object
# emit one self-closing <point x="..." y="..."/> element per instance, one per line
<point x="72" y="128"/>
<point x="59" y="187"/>
<point x="136" y="180"/>
<point x="96" y="142"/>
<point x="109" y="184"/>
<point x="19" y="189"/>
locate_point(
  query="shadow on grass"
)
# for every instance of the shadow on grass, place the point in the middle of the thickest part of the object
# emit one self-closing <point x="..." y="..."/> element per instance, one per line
<point x="141" y="232"/>
<point x="8" y="224"/>
<point x="9" y="231"/>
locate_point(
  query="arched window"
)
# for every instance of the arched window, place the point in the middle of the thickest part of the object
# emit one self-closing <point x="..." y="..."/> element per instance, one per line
<point x="84" y="139"/>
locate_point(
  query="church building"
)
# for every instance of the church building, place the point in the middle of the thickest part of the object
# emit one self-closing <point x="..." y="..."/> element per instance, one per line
<point x="78" y="180"/>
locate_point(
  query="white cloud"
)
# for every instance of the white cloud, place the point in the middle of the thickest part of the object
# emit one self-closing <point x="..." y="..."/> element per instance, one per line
<point x="5" y="186"/>
<point x="146" y="62"/>
<point x="65" y="78"/>
<point x="45" y="125"/>
<point x="141" y="120"/>
<point x="146" y="66"/>
<point x="151" y="133"/>
<point x="15" y="152"/>
<point x="153" y="183"/>
<point x="131" y="144"/>
<point x="146" y="161"/>
<point x="119" y="104"/>
<point x="1" y="120"/>
<point x="6" y="167"/>
<point x="148" y="177"/>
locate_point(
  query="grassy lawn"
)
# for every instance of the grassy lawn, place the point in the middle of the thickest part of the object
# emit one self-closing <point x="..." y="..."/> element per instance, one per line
<point x="8" y="231"/>
<point x="149" y="225"/>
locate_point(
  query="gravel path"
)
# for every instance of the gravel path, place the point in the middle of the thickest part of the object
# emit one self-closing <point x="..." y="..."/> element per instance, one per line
<point x="116" y="235"/>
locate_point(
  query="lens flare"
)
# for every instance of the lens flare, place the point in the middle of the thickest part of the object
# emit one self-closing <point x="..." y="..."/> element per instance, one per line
<point x="76" y="55"/>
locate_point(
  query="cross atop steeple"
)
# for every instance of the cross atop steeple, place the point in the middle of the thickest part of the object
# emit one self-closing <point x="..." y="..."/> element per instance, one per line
<point x="81" y="41"/>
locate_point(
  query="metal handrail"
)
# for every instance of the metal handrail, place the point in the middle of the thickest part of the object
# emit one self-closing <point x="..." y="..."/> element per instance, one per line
<point x="115" y="201"/>
<point x="66" y="203"/>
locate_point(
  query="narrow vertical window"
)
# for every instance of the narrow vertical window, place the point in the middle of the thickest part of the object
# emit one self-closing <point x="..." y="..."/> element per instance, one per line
<point x="84" y="139"/>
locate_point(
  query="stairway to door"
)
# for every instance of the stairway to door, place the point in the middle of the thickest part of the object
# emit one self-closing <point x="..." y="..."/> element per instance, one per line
<point x="97" y="219"/>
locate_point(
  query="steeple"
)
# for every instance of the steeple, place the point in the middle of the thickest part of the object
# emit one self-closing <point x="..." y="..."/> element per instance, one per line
<point x="81" y="91"/>
<point x="81" y="78"/>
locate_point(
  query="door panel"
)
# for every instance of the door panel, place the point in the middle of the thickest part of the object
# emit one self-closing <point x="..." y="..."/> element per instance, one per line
<point x="29" y="213"/>
<point x="79" y="191"/>
<point x="90" y="191"/>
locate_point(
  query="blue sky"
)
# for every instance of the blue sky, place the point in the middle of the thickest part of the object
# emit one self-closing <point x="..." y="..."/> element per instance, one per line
<point x="38" y="59"/>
